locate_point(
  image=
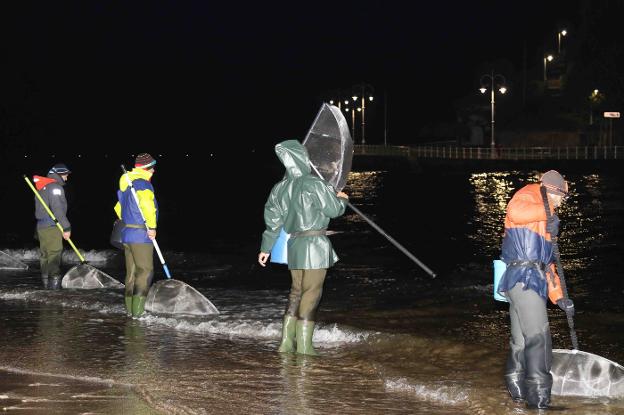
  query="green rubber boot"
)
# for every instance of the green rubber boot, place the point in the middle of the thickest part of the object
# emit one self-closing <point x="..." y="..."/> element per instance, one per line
<point x="289" y="329"/>
<point x="305" y="330"/>
<point x="129" y="305"/>
<point x="138" y="305"/>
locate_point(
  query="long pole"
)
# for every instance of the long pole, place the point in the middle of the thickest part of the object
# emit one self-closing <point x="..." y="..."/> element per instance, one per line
<point x="56" y="222"/>
<point x="559" y="266"/>
<point x="383" y="233"/>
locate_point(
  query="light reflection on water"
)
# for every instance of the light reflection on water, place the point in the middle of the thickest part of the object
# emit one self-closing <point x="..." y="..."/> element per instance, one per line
<point x="393" y="340"/>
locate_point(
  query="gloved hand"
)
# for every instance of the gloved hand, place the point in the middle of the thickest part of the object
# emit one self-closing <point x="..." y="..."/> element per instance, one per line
<point x="552" y="226"/>
<point x="566" y="305"/>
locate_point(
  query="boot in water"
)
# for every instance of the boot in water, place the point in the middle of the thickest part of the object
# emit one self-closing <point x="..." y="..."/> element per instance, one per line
<point x="289" y="329"/>
<point x="128" y="300"/>
<point x="515" y="386"/>
<point x="44" y="281"/>
<point x="138" y="305"/>
<point x="537" y="394"/>
<point x="305" y="331"/>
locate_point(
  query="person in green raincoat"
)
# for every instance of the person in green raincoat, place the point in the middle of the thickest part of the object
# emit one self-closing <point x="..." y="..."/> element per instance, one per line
<point x="303" y="204"/>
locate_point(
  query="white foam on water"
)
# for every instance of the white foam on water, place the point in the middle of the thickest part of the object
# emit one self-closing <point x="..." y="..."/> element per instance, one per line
<point x="57" y="298"/>
<point x="443" y="394"/>
<point x="325" y="336"/>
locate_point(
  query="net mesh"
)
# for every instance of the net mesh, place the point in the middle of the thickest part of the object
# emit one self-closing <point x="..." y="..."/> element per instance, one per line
<point x="578" y="373"/>
<point x="84" y="276"/>
<point x="330" y="146"/>
<point x="177" y="297"/>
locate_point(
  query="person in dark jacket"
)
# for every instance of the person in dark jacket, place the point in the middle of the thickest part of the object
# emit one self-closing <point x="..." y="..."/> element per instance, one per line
<point x="303" y="204"/>
<point x="531" y="278"/>
<point x="51" y="190"/>
<point x="137" y="240"/>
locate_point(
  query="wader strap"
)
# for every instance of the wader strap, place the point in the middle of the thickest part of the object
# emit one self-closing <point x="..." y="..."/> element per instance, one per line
<point x="308" y="233"/>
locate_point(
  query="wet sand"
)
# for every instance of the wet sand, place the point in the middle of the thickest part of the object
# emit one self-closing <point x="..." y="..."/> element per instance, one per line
<point x="26" y="392"/>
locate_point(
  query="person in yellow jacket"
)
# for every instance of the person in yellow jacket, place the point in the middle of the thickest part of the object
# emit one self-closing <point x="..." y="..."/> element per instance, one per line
<point x="136" y="239"/>
<point x="531" y="278"/>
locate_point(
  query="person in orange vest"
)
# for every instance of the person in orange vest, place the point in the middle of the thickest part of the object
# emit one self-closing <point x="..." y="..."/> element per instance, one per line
<point x="50" y="239"/>
<point x="531" y="278"/>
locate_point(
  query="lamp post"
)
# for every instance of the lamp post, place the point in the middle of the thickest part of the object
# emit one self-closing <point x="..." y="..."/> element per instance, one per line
<point x="547" y="58"/>
<point x="493" y="78"/>
<point x="366" y="92"/>
<point x="560" y="34"/>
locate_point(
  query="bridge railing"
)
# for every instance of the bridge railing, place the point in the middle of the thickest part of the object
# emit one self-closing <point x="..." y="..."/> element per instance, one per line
<point x="500" y="153"/>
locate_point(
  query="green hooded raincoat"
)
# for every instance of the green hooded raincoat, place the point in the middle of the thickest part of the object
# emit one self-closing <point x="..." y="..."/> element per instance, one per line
<point x="301" y="202"/>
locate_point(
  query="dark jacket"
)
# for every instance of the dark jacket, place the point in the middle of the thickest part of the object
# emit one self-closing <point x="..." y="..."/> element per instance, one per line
<point x="51" y="190"/>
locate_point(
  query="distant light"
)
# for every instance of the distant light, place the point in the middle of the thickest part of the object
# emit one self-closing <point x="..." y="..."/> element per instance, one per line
<point x="564" y="32"/>
<point x="346" y="109"/>
<point x="53" y="155"/>
<point x="370" y="98"/>
<point x="596" y="92"/>
<point x="79" y="155"/>
<point x="346" y="102"/>
<point x="503" y="90"/>
<point x="331" y="102"/>
<point x="359" y="109"/>
<point x="549" y="58"/>
<point x="187" y="155"/>
<point x="483" y="90"/>
<point x="354" y="97"/>
<point x="25" y="156"/>
<point x="211" y="154"/>
<point x="160" y="155"/>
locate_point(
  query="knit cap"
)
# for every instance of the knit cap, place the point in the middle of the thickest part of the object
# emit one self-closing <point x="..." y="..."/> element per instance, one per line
<point x="554" y="183"/>
<point x="144" y="161"/>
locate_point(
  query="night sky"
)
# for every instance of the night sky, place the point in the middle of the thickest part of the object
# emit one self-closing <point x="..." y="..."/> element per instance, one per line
<point x="177" y="75"/>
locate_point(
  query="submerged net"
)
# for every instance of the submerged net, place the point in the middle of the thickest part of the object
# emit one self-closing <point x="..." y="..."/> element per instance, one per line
<point x="177" y="297"/>
<point x="578" y="373"/>
<point x="8" y="262"/>
<point x="84" y="276"/>
<point x="330" y="146"/>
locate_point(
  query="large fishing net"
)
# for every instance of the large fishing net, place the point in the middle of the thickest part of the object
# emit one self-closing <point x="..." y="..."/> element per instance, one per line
<point x="84" y="276"/>
<point x="330" y="146"/>
<point x="176" y="297"/>
<point x="8" y="262"/>
<point x="580" y="373"/>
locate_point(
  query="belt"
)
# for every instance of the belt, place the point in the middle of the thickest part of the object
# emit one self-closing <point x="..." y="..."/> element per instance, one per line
<point x="544" y="271"/>
<point x="320" y="232"/>
<point x="135" y="226"/>
<point x="531" y="264"/>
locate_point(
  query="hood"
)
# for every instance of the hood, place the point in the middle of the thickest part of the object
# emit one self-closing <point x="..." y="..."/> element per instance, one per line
<point x="294" y="157"/>
<point x="41" y="182"/>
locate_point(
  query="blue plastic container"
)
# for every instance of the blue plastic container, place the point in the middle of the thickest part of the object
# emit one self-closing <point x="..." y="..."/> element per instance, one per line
<point x="499" y="270"/>
<point x="279" y="253"/>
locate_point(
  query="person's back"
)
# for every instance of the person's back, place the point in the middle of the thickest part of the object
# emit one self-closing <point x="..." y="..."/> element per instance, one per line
<point x="50" y="188"/>
<point x="303" y="205"/>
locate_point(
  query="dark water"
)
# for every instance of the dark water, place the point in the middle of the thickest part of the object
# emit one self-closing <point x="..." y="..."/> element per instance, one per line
<point x="393" y="340"/>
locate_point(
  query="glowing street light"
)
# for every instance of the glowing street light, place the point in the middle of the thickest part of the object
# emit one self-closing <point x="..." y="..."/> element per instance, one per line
<point x="547" y="58"/>
<point x="560" y="34"/>
<point x="367" y="90"/>
<point x="495" y="80"/>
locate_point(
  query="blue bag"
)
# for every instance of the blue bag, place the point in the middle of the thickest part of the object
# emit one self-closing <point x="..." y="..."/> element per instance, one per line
<point x="279" y="253"/>
<point x="499" y="270"/>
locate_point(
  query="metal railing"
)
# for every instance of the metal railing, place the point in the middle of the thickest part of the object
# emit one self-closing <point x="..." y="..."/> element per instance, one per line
<point x="501" y="153"/>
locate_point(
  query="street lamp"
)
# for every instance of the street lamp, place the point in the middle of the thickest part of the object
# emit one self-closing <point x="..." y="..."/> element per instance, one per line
<point x="496" y="80"/>
<point x="366" y="92"/>
<point x="547" y="58"/>
<point x="560" y="34"/>
<point x="352" y="120"/>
